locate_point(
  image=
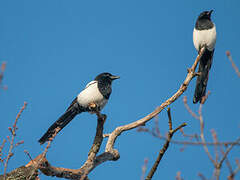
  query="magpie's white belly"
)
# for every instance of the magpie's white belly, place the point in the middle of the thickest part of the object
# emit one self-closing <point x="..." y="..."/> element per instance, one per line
<point x="205" y="37"/>
<point x="91" y="94"/>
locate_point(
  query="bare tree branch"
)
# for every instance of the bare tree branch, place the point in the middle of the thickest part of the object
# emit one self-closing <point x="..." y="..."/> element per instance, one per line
<point x="144" y="168"/>
<point x="227" y="151"/>
<point x="1" y="148"/>
<point x="165" y="146"/>
<point x="88" y="166"/>
<point x="232" y="62"/>
<point x="202" y="176"/>
<point x="178" y="177"/>
<point x="202" y="135"/>
<point x="3" y="67"/>
<point x="233" y="174"/>
<point x="217" y="165"/>
<point x="13" y="132"/>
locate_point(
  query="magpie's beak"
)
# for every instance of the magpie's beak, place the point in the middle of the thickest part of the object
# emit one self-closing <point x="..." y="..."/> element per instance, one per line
<point x="114" y="77"/>
<point x="210" y="12"/>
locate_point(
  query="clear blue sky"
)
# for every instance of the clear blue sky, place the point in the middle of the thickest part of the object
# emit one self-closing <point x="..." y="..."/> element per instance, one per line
<point x="54" y="48"/>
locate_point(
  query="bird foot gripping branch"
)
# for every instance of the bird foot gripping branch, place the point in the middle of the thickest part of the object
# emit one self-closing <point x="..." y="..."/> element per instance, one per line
<point x="197" y="74"/>
<point x="93" y="108"/>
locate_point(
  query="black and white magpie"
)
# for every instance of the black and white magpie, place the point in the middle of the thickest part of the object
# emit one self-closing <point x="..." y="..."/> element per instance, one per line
<point x="92" y="99"/>
<point x="204" y="34"/>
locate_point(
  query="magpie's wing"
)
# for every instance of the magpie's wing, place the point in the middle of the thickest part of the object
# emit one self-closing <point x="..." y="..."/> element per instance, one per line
<point x="73" y="104"/>
<point x="58" y="125"/>
<point x="204" y="68"/>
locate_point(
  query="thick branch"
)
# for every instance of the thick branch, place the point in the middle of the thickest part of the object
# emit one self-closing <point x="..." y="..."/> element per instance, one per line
<point x="88" y="166"/>
<point x="21" y="173"/>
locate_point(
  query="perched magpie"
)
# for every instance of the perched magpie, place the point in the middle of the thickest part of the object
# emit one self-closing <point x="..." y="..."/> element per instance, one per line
<point x="92" y="99"/>
<point x="204" y="35"/>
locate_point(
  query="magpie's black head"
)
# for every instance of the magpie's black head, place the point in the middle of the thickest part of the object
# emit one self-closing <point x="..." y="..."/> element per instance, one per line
<point x="205" y="15"/>
<point x="106" y="77"/>
<point x="204" y="21"/>
<point x="104" y="83"/>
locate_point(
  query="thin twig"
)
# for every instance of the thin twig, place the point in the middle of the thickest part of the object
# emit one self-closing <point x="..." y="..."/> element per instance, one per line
<point x="227" y="162"/>
<point x="165" y="146"/>
<point x="169" y="119"/>
<point x="189" y="109"/>
<point x="215" y="139"/>
<point x="232" y="62"/>
<point x="178" y="177"/>
<point x="3" y="67"/>
<point x="233" y="174"/>
<point x="28" y="154"/>
<point x="42" y="156"/>
<point x="219" y="165"/>
<point x="198" y="143"/>
<point x="13" y="131"/>
<point x="202" y="176"/>
<point x="202" y="134"/>
<point x="144" y="168"/>
<point x="227" y="151"/>
<point x="1" y="147"/>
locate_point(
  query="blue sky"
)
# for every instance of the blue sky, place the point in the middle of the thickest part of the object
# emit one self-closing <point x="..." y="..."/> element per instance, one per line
<point x="54" y="48"/>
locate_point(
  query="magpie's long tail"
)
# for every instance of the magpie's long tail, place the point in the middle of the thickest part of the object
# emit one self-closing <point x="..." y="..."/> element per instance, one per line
<point x="59" y="124"/>
<point x="203" y="69"/>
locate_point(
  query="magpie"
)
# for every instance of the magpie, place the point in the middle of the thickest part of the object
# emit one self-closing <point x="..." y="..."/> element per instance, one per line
<point x="204" y="35"/>
<point x="92" y="99"/>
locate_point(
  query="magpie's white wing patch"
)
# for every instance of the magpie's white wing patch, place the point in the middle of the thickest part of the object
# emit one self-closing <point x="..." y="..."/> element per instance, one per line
<point x="91" y="94"/>
<point x="205" y="37"/>
<point x="90" y="83"/>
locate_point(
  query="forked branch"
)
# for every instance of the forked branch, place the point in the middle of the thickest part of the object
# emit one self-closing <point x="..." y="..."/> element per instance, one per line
<point x="165" y="146"/>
